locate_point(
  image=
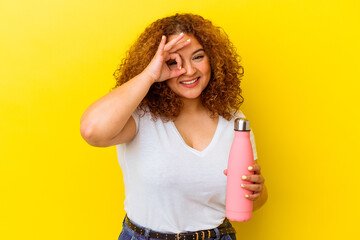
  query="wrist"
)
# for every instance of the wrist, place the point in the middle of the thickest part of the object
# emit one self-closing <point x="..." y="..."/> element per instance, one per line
<point x="148" y="77"/>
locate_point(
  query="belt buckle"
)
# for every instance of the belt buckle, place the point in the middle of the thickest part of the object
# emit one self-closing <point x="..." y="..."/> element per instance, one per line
<point x="178" y="235"/>
<point x="203" y="235"/>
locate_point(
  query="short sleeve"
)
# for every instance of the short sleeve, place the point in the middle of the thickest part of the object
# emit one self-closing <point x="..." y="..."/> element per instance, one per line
<point x="136" y="116"/>
<point x="240" y="114"/>
<point x="252" y="140"/>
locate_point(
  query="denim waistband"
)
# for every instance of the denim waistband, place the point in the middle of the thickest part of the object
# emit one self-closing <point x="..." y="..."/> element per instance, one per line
<point x="148" y="230"/>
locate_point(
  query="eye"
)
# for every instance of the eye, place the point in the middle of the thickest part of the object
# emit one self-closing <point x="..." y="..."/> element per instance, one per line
<point x="198" y="57"/>
<point x="171" y="63"/>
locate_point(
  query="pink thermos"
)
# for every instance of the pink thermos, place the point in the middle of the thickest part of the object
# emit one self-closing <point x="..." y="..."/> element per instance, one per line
<point x="239" y="208"/>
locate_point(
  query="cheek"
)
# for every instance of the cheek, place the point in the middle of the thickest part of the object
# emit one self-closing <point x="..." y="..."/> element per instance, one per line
<point x="171" y="83"/>
<point x="206" y="68"/>
<point x="207" y="72"/>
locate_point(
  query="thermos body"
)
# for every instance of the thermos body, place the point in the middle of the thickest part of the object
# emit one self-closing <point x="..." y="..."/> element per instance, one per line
<point x="239" y="208"/>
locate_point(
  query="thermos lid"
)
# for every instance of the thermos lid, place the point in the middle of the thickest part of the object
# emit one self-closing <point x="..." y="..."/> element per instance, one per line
<point x="241" y="124"/>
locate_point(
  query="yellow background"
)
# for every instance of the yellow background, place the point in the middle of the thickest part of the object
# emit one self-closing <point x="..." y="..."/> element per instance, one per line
<point x="301" y="89"/>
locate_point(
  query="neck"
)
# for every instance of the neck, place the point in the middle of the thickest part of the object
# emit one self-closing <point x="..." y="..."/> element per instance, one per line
<point x="192" y="106"/>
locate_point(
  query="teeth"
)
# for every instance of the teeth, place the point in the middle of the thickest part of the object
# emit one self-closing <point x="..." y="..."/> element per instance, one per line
<point x="190" y="81"/>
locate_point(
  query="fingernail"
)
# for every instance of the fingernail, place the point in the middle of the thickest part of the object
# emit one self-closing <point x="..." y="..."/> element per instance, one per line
<point x="250" y="168"/>
<point x="188" y="40"/>
<point x="181" y="33"/>
<point x="242" y="185"/>
<point x="162" y="36"/>
<point x="180" y="68"/>
<point x="243" y="177"/>
<point x="247" y="196"/>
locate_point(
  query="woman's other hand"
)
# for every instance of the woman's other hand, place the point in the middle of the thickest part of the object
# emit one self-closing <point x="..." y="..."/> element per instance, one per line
<point x="162" y="67"/>
<point x="257" y="185"/>
<point x="257" y="180"/>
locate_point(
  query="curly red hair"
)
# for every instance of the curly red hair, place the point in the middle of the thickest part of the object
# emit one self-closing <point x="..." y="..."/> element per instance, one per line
<point x="221" y="97"/>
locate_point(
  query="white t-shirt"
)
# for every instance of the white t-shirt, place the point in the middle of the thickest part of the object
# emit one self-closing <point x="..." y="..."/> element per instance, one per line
<point x="169" y="186"/>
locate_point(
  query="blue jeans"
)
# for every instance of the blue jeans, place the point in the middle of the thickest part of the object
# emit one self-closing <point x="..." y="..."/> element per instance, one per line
<point x="128" y="234"/>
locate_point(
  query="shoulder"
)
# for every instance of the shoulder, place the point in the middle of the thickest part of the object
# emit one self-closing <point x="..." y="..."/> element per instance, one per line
<point x="141" y="113"/>
<point x="237" y="114"/>
<point x="144" y="117"/>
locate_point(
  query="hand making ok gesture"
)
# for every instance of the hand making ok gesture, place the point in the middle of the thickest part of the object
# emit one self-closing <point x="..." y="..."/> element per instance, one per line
<point x="158" y="69"/>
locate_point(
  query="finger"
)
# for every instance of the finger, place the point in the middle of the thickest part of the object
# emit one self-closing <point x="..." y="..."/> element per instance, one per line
<point x="160" y="49"/>
<point x="253" y="178"/>
<point x="180" y="45"/>
<point x="253" y="187"/>
<point x="255" y="168"/>
<point x="225" y="172"/>
<point x="171" y="57"/>
<point x="253" y="197"/>
<point x="178" y="59"/>
<point x="172" y="43"/>
<point x="176" y="73"/>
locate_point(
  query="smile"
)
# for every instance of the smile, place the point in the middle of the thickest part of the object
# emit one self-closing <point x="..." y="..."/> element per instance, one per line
<point x="190" y="82"/>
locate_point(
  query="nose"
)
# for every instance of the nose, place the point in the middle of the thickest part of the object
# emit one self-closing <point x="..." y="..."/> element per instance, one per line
<point x="190" y="69"/>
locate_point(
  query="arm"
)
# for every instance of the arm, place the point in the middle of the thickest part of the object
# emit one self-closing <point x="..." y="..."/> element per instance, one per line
<point x="104" y="120"/>
<point x="108" y="121"/>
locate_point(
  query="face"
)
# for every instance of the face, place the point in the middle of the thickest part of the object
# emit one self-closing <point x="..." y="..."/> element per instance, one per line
<point x="198" y="71"/>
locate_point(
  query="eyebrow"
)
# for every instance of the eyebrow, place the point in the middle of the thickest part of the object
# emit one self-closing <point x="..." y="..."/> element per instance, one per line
<point x="201" y="49"/>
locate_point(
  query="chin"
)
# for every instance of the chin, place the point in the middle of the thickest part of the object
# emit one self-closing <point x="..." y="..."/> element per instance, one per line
<point x="190" y="96"/>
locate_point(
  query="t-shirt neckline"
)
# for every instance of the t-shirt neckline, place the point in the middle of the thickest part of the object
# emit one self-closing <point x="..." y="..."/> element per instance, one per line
<point x="208" y="147"/>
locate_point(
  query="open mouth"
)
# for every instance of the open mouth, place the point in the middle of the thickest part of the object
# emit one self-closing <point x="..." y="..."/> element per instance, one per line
<point x="190" y="82"/>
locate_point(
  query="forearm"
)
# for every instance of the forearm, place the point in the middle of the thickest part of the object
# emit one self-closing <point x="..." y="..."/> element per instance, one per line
<point x="106" y="117"/>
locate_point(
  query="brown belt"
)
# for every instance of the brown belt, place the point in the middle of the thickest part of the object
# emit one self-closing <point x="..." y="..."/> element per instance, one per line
<point x="199" y="235"/>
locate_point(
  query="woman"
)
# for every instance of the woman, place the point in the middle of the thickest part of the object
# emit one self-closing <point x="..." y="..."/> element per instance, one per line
<point x="171" y="117"/>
